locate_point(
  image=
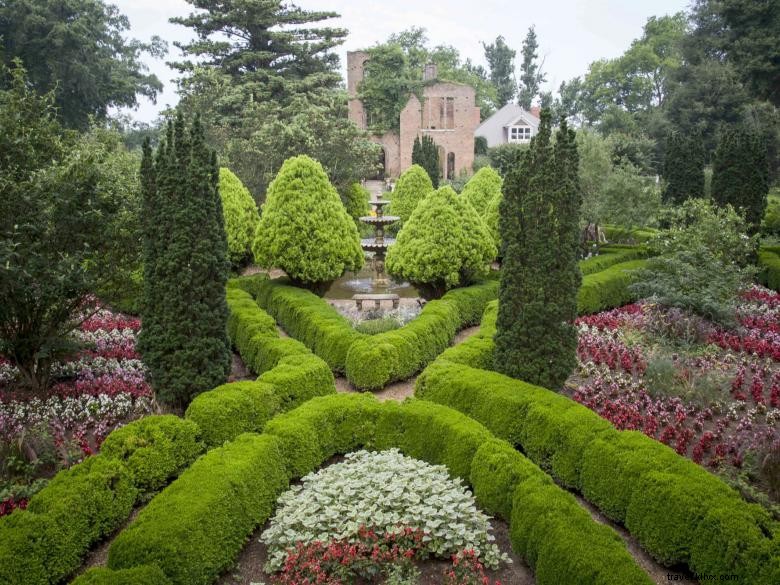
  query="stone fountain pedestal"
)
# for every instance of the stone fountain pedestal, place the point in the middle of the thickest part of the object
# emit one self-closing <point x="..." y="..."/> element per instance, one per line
<point x="379" y="243"/>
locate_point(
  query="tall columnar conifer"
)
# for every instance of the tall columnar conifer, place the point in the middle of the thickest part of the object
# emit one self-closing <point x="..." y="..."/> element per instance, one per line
<point x="536" y="340"/>
<point x="740" y="173"/>
<point x="184" y="336"/>
<point x="683" y="167"/>
<point x="426" y="154"/>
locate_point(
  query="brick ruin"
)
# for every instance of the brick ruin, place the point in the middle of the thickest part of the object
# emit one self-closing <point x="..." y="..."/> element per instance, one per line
<point x="447" y="114"/>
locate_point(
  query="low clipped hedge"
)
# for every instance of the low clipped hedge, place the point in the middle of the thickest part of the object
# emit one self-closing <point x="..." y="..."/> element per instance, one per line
<point x="374" y="361"/>
<point x="81" y="505"/>
<point x="619" y="234"/>
<point x="608" y="288"/>
<point x="307" y="318"/>
<point x="669" y="503"/>
<point x="289" y="374"/>
<point x="610" y="255"/>
<point x="143" y="575"/>
<point x="194" y="529"/>
<point x="586" y="552"/>
<point x="769" y="267"/>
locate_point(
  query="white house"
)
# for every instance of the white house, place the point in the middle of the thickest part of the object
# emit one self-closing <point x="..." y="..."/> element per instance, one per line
<point x="510" y="124"/>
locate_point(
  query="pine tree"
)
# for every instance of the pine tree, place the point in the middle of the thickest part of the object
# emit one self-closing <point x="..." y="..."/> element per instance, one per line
<point x="426" y="154"/>
<point x="683" y="167"/>
<point x="536" y="340"/>
<point x="531" y="75"/>
<point x="740" y="173"/>
<point x="184" y="337"/>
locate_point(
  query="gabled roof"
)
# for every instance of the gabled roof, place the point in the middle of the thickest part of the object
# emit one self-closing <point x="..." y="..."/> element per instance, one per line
<point x="509" y="115"/>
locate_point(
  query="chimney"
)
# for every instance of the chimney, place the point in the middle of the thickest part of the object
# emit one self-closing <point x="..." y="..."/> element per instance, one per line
<point x="430" y="72"/>
<point x="536" y="111"/>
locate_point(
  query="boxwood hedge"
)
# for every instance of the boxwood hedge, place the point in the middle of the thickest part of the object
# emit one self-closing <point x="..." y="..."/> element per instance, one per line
<point x="769" y="265"/>
<point x="608" y="288"/>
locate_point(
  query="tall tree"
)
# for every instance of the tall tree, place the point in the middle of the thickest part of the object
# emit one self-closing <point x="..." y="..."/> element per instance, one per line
<point x="271" y="48"/>
<point x="501" y="61"/>
<point x="683" y="167"/>
<point x="535" y="339"/>
<point x="63" y="230"/>
<point x="427" y="156"/>
<point x="184" y="338"/>
<point x="78" y="50"/>
<point x="740" y="173"/>
<point x="531" y="74"/>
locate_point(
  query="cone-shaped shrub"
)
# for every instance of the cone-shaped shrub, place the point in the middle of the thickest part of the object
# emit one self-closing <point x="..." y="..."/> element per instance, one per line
<point x="535" y="339"/>
<point x="413" y="186"/>
<point x="355" y="199"/>
<point x="444" y="244"/>
<point x="490" y="217"/>
<point x="482" y="188"/>
<point x="184" y="339"/>
<point x="740" y="173"/>
<point x="304" y="228"/>
<point x="241" y="217"/>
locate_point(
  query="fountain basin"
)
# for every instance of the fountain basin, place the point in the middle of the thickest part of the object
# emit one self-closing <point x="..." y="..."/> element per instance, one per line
<point x="380" y="219"/>
<point x="371" y="244"/>
<point x="363" y="283"/>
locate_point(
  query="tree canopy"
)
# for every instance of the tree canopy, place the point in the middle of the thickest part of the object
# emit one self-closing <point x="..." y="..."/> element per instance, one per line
<point x="501" y="64"/>
<point x="78" y="50"/>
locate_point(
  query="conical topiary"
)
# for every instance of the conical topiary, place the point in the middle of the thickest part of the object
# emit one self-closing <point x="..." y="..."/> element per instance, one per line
<point x="413" y="186"/>
<point x="241" y="217"/>
<point x="482" y="188"/>
<point x="490" y="217"/>
<point x="355" y="200"/>
<point x="304" y="228"/>
<point x="444" y="244"/>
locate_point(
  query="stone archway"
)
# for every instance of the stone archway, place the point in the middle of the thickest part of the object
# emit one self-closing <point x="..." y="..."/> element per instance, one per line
<point x="381" y="162"/>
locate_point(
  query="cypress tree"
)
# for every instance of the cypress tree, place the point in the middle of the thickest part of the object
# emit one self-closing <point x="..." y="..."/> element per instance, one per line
<point x="184" y="335"/>
<point x="426" y="154"/>
<point x="538" y="223"/>
<point x="740" y="173"/>
<point x="683" y="168"/>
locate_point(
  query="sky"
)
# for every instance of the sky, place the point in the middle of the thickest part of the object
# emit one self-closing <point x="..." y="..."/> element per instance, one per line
<point x="571" y="33"/>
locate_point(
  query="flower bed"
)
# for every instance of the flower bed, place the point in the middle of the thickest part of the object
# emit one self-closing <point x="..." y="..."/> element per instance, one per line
<point x="100" y="388"/>
<point x="711" y="394"/>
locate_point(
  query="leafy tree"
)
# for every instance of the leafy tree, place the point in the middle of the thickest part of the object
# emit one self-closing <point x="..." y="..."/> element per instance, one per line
<point x="413" y="186"/>
<point x="482" y="188"/>
<point x="740" y="174"/>
<point x="683" y="167"/>
<point x="304" y="228"/>
<point x="444" y="244"/>
<point x="595" y="166"/>
<point x="355" y="199"/>
<point x="184" y="338"/>
<point x="241" y="217"/>
<point x="501" y="61"/>
<point x="273" y="49"/>
<point x="425" y="153"/>
<point x="531" y="75"/>
<point x="63" y="231"/>
<point x="536" y="340"/>
<point x="629" y="198"/>
<point x="78" y="50"/>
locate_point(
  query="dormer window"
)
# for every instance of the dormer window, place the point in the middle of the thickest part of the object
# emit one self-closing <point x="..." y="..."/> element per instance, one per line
<point x="519" y="134"/>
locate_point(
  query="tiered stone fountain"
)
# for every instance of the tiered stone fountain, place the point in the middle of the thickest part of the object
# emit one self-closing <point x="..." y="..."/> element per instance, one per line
<point x="379" y="243"/>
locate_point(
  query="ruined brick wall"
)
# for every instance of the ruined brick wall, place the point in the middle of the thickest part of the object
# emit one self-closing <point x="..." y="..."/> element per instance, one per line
<point x="447" y="114"/>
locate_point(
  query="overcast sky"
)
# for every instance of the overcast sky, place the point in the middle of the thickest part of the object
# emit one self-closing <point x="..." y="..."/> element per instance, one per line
<point x="571" y="33"/>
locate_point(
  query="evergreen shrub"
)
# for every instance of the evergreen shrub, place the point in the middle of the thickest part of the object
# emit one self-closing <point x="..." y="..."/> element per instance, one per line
<point x="683" y="169"/>
<point x="355" y="199"/>
<point x="304" y="228"/>
<point x="769" y="267"/>
<point x="608" y="288"/>
<point x="412" y="186"/>
<point x="241" y="217"/>
<point x="143" y="575"/>
<point x="482" y="188"/>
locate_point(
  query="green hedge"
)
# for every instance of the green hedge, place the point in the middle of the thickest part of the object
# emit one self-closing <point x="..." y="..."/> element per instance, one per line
<point x="289" y="374"/>
<point x="194" y="528"/>
<point x="307" y="318"/>
<point x="81" y="505"/>
<point x="627" y="235"/>
<point x="155" y="449"/>
<point x="769" y="265"/>
<point x="664" y="499"/>
<point x="610" y="255"/>
<point x="374" y="361"/>
<point x="144" y="575"/>
<point x="608" y="288"/>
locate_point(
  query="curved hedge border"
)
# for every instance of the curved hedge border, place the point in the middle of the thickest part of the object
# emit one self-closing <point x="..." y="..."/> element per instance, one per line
<point x="608" y="288"/>
<point x="47" y="542"/>
<point x="610" y="255"/>
<point x="621" y="234"/>
<point x="769" y="264"/>
<point x="289" y="375"/>
<point x="374" y="361"/>
<point x="194" y="529"/>
<point x="80" y="506"/>
<point x="678" y="511"/>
